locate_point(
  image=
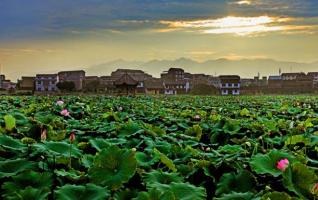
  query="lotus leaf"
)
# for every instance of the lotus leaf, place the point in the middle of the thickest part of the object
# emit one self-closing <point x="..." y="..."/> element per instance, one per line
<point x="112" y="167"/>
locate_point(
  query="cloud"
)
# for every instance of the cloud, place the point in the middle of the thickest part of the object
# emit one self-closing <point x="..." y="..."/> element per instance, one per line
<point x="239" y="25"/>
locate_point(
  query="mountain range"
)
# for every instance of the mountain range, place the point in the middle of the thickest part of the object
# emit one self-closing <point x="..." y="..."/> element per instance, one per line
<point x="244" y="68"/>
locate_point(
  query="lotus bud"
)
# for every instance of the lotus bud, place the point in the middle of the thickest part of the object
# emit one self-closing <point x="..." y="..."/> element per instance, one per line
<point x="197" y="117"/>
<point x="282" y="164"/>
<point x="134" y="149"/>
<point x="72" y="137"/>
<point x="208" y="149"/>
<point x="43" y="135"/>
<point x="120" y="108"/>
<point x="248" y="144"/>
<point x="315" y="189"/>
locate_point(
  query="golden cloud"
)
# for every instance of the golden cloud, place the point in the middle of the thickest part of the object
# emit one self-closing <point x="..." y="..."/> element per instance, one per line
<point x="236" y="25"/>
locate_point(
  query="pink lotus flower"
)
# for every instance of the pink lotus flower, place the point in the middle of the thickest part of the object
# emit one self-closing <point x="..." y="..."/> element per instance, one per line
<point x="282" y="164"/>
<point x="315" y="189"/>
<point x="59" y="103"/>
<point x="43" y="135"/>
<point x="65" y="113"/>
<point x="72" y="137"/>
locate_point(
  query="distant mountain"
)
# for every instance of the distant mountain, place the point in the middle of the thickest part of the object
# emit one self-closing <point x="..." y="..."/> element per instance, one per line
<point x="244" y="67"/>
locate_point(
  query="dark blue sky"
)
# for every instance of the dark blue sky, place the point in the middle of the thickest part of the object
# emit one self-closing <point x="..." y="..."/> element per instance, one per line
<point x="20" y="19"/>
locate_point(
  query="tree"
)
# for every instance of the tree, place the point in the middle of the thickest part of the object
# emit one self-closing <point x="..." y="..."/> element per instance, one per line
<point x="66" y="86"/>
<point x="203" y="89"/>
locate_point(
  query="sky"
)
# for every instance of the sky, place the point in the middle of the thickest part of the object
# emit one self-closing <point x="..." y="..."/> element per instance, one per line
<point x="52" y="35"/>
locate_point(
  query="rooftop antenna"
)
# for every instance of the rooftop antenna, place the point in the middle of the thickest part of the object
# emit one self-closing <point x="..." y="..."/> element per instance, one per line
<point x="280" y="71"/>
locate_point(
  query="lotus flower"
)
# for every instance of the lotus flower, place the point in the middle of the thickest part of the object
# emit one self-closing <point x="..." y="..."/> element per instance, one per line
<point x="282" y="164"/>
<point x="60" y="103"/>
<point x="72" y="137"/>
<point x="315" y="189"/>
<point x="65" y="113"/>
<point x="43" y="135"/>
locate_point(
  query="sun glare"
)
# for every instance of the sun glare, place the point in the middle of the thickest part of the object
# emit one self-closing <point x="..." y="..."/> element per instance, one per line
<point x="231" y="24"/>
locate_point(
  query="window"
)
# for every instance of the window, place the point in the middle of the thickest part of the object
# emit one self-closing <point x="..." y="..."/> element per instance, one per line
<point x="223" y="84"/>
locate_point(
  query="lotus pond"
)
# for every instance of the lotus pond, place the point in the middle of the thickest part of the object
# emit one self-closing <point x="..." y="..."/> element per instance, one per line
<point x="159" y="148"/>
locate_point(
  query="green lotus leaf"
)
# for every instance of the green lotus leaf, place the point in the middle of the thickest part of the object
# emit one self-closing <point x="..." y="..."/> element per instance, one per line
<point x="12" y="167"/>
<point x="294" y="139"/>
<point x="266" y="164"/>
<point x="153" y="194"/>
<point x="161" y="177"/>
<point x="32" y="178"/>
<point x="244" y="112"/>
<point x="129" y="129"/>
<point x="244" y="181"/>
<point x="82" y="192"/>
<point x="165" y="160"/>
<point x="11" y="144"/>
<point x="27" y="194"/>
<point x="112" y="167"/>
<point x="236" y="196"/>
<point x="186" y="191"/>
<point x="232" y="126"/>
<point x="299" y="179"/>
<point x="195" y="131"/>
<point x="10" y="122"/>
<point x="126" y="194"/>
<point x="276" y="196"/>
<point x="58" y="149"/>
<point x="99" y="143"/>
<point x="87" y="160"/>
<point x="146" y="160"/>
<point x="72" y="175"/>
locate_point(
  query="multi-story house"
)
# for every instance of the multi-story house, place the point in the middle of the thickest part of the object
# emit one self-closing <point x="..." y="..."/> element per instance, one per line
<point x="274" y="82"/>
<point x="91" y="84"/>
<point x="230" y="84"/>
<point x="290" y="76"/>
<point x="2" y="78"/>
<point x="314" y="76"/>
<point x="26" y="84"/>
<point x="46" y="83"/>
<point x="175" y="81"/>
<point x="214" y="81"/>
<point x="77" y="77"/>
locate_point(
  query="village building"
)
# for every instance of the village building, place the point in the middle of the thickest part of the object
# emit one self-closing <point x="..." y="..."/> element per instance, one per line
<point x="154" y="86"/>
<point x="274" y="82"/>
<point x="214" y="81"/>
<point x="301" y="84"/>
<point x="26" y="85"/>
<point x="125" y="85"/>
<point x="314" y="76"/>
<point x="230" y="85"/>
<point x="91" y="84"/>
<point x="2" y="78"/>
<point x="175" y="82"/>
<point x="106" y="85"/>
<point x="290" y="76"/>
<point x="77" y="77"/>
<point x="138" y="75"/>
<point x="46" y="83"/>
